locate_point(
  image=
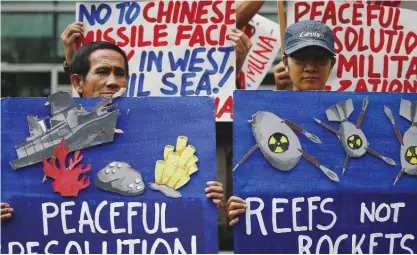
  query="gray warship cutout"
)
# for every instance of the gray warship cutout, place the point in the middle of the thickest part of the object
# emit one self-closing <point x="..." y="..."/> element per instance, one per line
<point x="352" y="138"/>
<point x="408" y="110"/>
<point x="80" y="128"/>
<point x="280" y="145"/>
<point x="120" y="178"/>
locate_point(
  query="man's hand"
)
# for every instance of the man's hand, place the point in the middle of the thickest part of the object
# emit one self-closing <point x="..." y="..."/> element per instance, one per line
<point x="69" y="39"/>
<point x="214" y="191"/>
<point x="242" y="45"/>
<point x="234" y="207"/>
<point x="282" y="77"/>
<point x="6" y="212"/>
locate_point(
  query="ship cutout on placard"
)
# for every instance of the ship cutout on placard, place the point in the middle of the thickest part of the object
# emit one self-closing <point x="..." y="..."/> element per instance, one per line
<point x="408" y="110"/>
<point x="353" y="139"/>
<point x="79" y="128"/>
<point x="175" y="170"/>
<point x="280" y="145"/>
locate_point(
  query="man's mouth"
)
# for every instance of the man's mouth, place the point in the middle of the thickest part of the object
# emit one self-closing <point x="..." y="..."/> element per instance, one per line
<point x="310" y="78"/>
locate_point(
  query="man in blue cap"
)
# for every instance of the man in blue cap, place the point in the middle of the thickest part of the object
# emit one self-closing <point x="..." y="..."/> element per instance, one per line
<point x="308" y="56"/>
<point x="308" y="59"/>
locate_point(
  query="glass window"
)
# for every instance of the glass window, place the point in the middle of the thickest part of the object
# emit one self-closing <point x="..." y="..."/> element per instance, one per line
<point x="27" y="37"/>
<point x="25" y="84"/>
<point x="64" y="19"/>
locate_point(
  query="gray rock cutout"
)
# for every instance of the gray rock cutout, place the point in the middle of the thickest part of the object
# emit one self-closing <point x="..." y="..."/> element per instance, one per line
<point x="120" y="178"/>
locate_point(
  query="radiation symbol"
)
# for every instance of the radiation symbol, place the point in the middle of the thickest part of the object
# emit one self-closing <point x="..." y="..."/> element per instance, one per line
<point x="278" y="143"/>
<point x="354" y="142"/>
<point x="411" y="155"/>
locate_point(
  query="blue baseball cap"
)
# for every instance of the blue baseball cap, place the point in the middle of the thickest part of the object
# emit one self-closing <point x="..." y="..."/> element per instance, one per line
<point x="308" y="33"/>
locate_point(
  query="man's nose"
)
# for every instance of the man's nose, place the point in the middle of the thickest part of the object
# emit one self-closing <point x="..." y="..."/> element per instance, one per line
<point x="115" y="81"/>
<point x="310" y="67"/>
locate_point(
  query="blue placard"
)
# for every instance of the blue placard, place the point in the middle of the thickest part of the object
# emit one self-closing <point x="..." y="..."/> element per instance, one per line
<point x="301" y="210"/>
<point x="150" y="223"/>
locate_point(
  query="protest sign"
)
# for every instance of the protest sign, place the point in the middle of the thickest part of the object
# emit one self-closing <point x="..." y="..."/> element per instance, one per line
<point x="129" y="216"/>
<point x="264" y="35"/>
<point x="376" y="45"/>
<point x="301" y="210"/>
<point x="175" y="48"/>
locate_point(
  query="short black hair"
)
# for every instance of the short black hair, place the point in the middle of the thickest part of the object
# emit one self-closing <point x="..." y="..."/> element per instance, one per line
<point x="81" y="62"/>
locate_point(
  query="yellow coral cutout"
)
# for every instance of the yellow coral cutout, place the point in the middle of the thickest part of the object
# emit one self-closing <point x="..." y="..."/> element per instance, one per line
<point x="175" y="170"/>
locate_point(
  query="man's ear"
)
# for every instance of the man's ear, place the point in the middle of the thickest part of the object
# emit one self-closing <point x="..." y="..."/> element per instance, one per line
<point x="77" y="83"/>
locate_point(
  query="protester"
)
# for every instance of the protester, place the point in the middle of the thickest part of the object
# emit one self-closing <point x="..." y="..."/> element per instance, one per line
<point x="309" y="57"/>
<point x="317" y="49"/>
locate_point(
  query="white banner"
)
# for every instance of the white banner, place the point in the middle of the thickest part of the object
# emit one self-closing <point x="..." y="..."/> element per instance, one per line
<point x="264" y="35"/>
<point x="171" y="50"/>
<point x="376" y="45"/>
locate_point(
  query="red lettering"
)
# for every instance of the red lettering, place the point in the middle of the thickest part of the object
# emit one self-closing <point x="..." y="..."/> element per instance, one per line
<point x="370" y="15"/>
<point x="222" y="38"/>
<point x="141" y="39"/>
<point x="197" y="37"/>
<point x="400" y="60"/>
<point x="374" y="83"/>
<point x="395" y="24"/>
<point x="188" y="11"/>
<point x="344" y="64"/>
<point x="410" y="42"/>
<point x="390" y="34"/>
<point x="159" y="34"/>
<point x="208" y="37"/>
<point x="371" y="73"/>
<point x="361" y="86"/>
<point x="408" y="88"/>
<point x="361" y="46"/>
<point x="298" y="13"/>
<point x="341" y="11"/>
<point x="372" y="41"/>
<point x="339" y="44"/>
<point x="121" y="35"/>
<point x="361" y="66"/>
<point x="133" y="36"/>
<point x="230" y="11"/>
<point x="177" y="9"/>
<point x="146" y="14"/>
<point x="357" y="15"/>
<point x="202" y="12"/>
<point x="181" y="35"/>
<point x="267" y="40"/>
<point x="395" y="86"/>
<point x="344" y="85"/>
<point x="107" y="37"/>
<point x="314" y="12"/>
<point x="330" y="13"/>
<point x="385" y="64"/>
<point x="226" y="108"/>
<point x="385" y="24"/>
<point x="85" y="39"/>
<point x="399" y="42"/>
<point x="412" y="68"/>
<point x="350" y="45"/>
<point x="219" y="14"/>
<point x="167" y="14"/>
<point x="384" y="85"/>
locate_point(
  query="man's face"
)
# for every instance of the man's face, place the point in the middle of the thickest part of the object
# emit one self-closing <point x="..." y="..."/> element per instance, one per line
<point x="309" y="68"/>
<point x="106" y="76"/>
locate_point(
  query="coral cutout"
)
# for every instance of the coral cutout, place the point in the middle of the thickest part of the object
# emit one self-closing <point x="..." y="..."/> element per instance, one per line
<point x="66" y="180"/>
